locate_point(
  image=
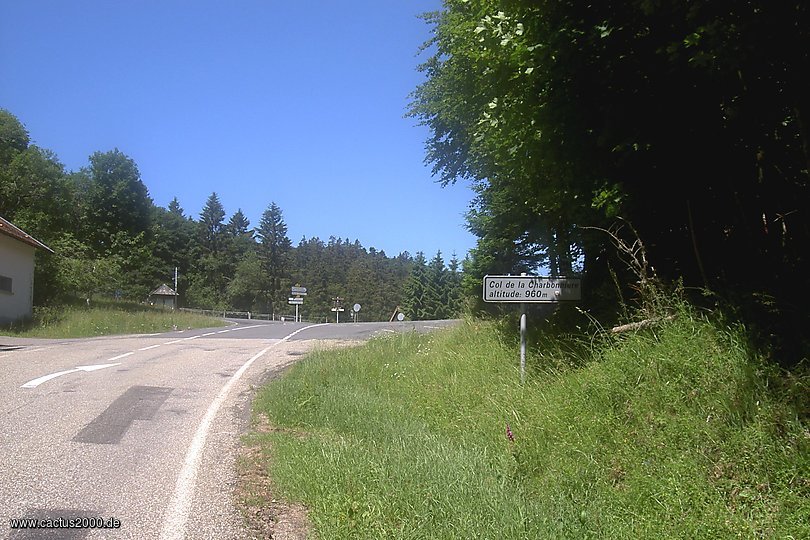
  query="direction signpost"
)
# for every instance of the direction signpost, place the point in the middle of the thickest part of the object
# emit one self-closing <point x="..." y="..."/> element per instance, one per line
<point x="338" y="308"/>
<point x="295" y="299"/>
<point x="524" y="290"/>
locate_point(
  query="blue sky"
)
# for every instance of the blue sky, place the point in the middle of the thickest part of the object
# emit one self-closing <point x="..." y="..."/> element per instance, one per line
<point x="301" y="103"/>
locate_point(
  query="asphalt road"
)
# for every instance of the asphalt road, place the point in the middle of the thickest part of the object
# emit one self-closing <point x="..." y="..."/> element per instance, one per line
<point x="140" y="431"/>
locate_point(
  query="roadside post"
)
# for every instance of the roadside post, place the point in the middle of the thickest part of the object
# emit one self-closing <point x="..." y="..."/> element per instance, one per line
<point x="522" y="343"/>
<point x="524" y="290"/>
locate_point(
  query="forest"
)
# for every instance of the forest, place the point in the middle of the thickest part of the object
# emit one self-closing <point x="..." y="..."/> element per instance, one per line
<point x="110" y="240"/>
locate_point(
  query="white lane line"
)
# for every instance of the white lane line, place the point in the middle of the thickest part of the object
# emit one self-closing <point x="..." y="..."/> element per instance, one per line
<point x="150" y="347"/>
<point x="36" y="382"/>
<point x="224" y="331"/>
<point x="247" y="327"/>
<point x="208" y="334"/>
<point x="176" y="516"/>
<point x="189" y="338"/>
<point x="120" y="356"/>
<point x="97" y="367"/>
<point x="173" y="342"/>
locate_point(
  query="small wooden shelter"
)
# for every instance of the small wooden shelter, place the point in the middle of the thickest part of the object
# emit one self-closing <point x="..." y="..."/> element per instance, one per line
<point x="163" y="297"/>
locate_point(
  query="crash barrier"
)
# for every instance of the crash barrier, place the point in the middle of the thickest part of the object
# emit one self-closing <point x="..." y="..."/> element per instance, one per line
<point x="227" y="314"/>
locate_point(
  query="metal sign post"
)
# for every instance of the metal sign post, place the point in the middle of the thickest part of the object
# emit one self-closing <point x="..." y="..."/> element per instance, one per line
<point x="522" y="343"/>
<point x="525" y="289"/>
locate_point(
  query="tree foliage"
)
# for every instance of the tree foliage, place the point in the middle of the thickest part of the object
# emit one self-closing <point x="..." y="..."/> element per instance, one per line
<point x="689" y="120"/>
<point x="432" y="290"/>
<point x="117" y="200"/>
<point x="111" y="240"/>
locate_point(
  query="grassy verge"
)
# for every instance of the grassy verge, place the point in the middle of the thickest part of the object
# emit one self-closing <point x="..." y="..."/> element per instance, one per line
<point x="104" y="318"/>
<point x="673" y="433"/>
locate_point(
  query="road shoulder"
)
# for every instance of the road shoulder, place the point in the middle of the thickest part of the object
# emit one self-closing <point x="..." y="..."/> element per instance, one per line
<point x="265" y="515"/>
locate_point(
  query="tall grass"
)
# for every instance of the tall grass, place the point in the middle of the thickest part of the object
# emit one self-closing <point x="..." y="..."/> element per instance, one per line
<point x="679" y="432"/>
<point x="104" y="318"/>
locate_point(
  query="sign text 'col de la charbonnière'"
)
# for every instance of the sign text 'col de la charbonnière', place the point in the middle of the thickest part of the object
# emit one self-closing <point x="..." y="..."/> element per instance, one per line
<point x="531" y="289"/>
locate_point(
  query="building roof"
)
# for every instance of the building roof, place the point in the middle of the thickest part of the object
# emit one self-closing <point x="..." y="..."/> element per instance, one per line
<point x="163" y="290"/>
<point x="9" y="229"/>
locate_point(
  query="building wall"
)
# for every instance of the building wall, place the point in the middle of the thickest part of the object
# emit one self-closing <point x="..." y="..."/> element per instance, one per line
<point x="16" y="263"/>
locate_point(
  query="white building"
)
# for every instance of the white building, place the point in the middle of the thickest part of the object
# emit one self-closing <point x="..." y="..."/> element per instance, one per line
<point x="16" y="271"/>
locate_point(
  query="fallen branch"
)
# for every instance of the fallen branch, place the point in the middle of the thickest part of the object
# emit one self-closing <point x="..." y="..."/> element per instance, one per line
<point x="640" y="324"/>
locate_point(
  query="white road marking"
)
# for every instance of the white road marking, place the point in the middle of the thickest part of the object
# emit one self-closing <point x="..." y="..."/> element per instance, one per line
<point x="97" y="367"/>
<point x="150" y="347"/>
<point x="120" y="356"/>
<point x="36" y="382"/>
<point x="176" y="516"/>
<point x="209" y="334"/>
<point x="224" y="331"/>
<point x="246" y="327"/>
<point x="173" y="342"/>
<point x="188" y="338"/>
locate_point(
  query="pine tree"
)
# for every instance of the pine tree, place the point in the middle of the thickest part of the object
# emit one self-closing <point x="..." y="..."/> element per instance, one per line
<point x="175" y="208"/>
<point x="414" y="303"/>
<point x="274" y="250"/>
<point x="454" y="295"/>
<point x="436" y="301"/>
<point x="238" y="238"/>
<point x="211" y="223"/>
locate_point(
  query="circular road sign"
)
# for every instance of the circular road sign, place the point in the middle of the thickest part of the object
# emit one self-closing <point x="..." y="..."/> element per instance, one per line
<point x="400" y="316"/>
<point x="356" y="308"/>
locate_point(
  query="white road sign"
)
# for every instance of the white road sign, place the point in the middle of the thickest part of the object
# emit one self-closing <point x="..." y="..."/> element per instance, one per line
<point x="293" y="301"/>
<point x="299" y="291"/>
<point x="531" y="289"/>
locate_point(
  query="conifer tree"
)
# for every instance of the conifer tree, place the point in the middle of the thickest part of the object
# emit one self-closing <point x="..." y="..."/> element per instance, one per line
<point x="274" y="249"/>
